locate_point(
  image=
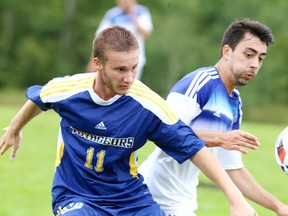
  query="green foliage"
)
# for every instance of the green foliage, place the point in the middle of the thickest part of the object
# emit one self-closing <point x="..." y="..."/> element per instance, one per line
<point x="44" y="39"/>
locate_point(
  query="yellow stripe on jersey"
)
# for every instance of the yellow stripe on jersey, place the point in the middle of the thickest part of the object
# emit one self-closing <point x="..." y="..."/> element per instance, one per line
<point x="67" y="84"/>
<point x="133" y="165"/>
<point x="60" y="152"/>
<point x="139" y="89"/>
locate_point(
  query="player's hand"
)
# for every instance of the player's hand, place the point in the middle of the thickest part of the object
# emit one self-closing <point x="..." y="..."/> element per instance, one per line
<point x="10" y="139"/>
<point x="237" y="139"/>
<point x="282" y="211"/>
<point x="242" y="209"/>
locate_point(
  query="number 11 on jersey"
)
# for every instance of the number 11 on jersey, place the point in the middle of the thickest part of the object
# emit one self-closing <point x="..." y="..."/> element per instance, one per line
<point x="100" y="159"/>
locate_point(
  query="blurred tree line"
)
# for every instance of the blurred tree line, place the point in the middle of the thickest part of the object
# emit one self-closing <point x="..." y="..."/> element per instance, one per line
<point x="43" y="39"/>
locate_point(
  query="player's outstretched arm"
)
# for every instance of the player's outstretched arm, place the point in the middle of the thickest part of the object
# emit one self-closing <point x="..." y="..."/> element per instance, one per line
<point x="209" y="165"/>
<point x="232" y="140"/>
<point x="12" y="134"/>
<point x="255" y="192"/>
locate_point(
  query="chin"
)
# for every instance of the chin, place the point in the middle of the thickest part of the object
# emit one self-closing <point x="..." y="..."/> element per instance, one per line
<point x="123" y="92"/>
<point x="242" y="83"/>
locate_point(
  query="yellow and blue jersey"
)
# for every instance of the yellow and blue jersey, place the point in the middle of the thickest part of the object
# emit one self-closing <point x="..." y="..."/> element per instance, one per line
<point x="98" y="140"/>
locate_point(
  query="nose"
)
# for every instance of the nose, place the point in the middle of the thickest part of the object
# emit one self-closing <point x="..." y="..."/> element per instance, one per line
<point x="129" y="76"/>
<point x="255" y="63"/>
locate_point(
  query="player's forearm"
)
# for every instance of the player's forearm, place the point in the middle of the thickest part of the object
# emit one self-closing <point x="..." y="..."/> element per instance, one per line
<point x="253" y="191"/>
<point x="212" y="139"/>
<point x="26" y="113"/>
<point x="209" y="165"/>
<point x="145" y="34"/>
<point x="265" y="199"/>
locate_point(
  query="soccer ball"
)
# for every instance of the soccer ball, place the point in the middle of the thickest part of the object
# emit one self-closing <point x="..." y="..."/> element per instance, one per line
<point x="281" y="150"/>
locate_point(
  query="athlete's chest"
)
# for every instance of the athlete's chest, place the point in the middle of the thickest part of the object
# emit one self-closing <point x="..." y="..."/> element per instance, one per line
<point x="119" y="122"/>
<point x="220" y="111"/>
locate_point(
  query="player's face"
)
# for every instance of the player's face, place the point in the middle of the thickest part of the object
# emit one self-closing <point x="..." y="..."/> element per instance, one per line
<point x="246" y="60"/>
<point x="126" y="5"/>
<point x="117" y="74"/>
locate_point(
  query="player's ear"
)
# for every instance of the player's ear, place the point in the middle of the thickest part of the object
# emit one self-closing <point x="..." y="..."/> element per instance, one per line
<point x="97" y="63"/>
<point x="226" y="50"/>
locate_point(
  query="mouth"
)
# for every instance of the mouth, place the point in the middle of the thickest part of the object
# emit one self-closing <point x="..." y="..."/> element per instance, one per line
<point x="125" y="87"/>
<point x="248" y="76"/>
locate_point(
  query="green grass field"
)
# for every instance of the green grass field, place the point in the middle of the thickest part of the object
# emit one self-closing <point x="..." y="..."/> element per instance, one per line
<point x="25" y="184"/>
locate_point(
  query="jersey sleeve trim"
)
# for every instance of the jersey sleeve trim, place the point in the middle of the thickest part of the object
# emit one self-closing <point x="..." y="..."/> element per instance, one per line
<point x="63" y="87"/>
<point x="200" y="80"/>
<point x="150" y="100"/>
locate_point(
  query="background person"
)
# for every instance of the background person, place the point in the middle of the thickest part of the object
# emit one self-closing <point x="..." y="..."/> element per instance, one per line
<point x="208" y="100"/>
<point x="136" y="18"/>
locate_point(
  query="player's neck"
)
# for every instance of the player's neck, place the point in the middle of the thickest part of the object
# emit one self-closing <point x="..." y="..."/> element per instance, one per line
<point x="225" y="74"/>
<point x="101" y="90"/>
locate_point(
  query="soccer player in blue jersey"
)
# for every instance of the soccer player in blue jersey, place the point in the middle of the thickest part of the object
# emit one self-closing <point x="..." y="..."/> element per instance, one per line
<point x="105" y="117"/>
<point x="208" y="100"/>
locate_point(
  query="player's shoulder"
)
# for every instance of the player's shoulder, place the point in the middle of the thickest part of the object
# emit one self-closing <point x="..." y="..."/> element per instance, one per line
<point x="204" y="73"/>
<point x="114" y="11"/>
<point x="196" y="80"/>
<point x="140" y="89"/>
<point x="73" y="80"/>
<point x="150" y="100"/>
<point x="200" y="75"/>
<point x="70" y="83"/>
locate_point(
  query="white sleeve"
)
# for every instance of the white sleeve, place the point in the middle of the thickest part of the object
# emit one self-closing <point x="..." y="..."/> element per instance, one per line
<point x="186" y="108"/>
<point x="229" y="159"/>
<point x="145" y="21"/>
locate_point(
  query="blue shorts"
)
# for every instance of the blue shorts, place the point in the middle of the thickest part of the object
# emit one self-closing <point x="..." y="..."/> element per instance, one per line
<point x="143" y="207"/>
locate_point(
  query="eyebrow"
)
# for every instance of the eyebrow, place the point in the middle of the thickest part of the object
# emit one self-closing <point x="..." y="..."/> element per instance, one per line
<point x="255" y="51"/>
